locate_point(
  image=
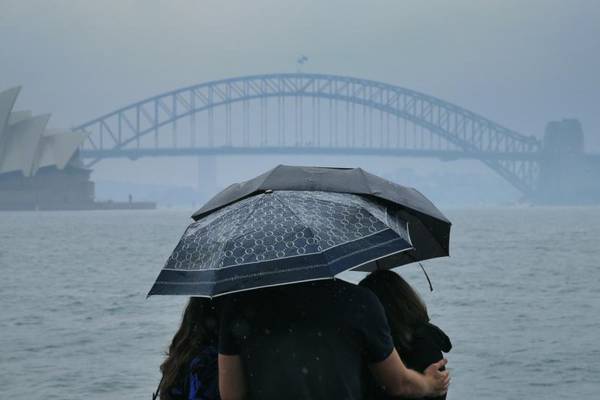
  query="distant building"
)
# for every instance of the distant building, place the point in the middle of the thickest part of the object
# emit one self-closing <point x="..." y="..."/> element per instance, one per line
<point x="568" y="175"/>
<point x="40" y="168"/>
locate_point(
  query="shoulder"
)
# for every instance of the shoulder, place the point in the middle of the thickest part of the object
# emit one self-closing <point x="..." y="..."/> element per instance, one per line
<point x="355" y="295"/>
<point x="360" y="305"/>
<point x="350" y="289"/>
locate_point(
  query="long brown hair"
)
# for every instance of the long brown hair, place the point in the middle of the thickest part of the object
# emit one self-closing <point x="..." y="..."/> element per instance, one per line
<point x="403" y="307"/>
<point x="199" y="328"/>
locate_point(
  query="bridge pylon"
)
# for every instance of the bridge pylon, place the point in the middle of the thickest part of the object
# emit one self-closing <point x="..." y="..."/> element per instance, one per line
<point x="567" y="174"/>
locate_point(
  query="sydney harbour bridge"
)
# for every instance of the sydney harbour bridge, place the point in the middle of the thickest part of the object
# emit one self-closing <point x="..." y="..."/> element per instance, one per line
<point x="302" y="113"/>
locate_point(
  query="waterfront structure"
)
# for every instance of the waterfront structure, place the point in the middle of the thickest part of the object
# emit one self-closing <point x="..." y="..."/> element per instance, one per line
<point x="40" y="168"/>
<point x="302" y="113"/>
<point x="26" y="145"/>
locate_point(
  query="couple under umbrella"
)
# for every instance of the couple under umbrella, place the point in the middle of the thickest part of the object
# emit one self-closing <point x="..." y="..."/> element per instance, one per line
<point x="267" y="252"/>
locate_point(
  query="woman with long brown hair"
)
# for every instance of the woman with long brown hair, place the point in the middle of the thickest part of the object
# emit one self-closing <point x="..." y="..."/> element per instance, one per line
<point x="189" y="370"/>
<point x="418" y="342"/>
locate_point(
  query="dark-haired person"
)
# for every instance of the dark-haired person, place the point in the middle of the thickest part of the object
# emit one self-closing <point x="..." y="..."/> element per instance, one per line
<point x="190" y="369"/>
<point x="313" y="340"/>
<point x="418" y="342"/>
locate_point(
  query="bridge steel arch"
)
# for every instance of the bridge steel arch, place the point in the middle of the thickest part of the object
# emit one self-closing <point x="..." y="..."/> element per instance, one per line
<point x="512" y="155"/>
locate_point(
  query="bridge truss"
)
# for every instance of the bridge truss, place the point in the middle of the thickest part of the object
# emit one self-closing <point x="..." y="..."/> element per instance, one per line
<point x="309" y="113"/>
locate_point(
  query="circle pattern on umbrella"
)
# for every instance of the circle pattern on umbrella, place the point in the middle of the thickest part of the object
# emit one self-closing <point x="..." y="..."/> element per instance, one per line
<point x="278" y="225"/>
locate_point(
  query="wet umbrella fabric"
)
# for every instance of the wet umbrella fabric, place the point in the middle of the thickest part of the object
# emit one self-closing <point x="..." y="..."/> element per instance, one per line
<point x="282" y="237"/>
<point x="429" y="228"/>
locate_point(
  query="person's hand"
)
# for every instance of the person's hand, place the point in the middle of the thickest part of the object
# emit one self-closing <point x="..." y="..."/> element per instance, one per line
<point x="438" y="380"/>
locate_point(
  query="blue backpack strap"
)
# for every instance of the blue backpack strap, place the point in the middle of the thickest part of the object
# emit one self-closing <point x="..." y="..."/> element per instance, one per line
<point x="201" y="378"/>
<point x="202" y="382"/>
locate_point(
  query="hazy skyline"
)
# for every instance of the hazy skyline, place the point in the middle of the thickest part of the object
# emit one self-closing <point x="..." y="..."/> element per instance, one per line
<point x="519" y="63"/>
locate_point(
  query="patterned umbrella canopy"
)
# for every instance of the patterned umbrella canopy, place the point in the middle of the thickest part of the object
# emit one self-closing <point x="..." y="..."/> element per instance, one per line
<point x="295" y="224"/>
<point x="282" y="237"/>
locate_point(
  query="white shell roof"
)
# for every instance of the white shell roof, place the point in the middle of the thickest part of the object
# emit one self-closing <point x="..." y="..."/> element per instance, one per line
<point x="26" y="145"/>
<point x="7" y="102"/>
<point x="57" y="149"/>
<point x="17" y="116"/>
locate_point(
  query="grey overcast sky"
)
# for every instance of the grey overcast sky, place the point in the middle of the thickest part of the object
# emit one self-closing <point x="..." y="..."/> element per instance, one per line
<point x="519" y="63"/>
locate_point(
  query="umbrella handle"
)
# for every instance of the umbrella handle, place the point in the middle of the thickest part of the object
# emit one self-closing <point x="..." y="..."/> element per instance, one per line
<point x="426" y="276"/>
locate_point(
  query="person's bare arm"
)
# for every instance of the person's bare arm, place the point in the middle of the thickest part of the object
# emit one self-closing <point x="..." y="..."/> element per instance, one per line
<point x="232" y="385"/>
<point x="398" y="380"/>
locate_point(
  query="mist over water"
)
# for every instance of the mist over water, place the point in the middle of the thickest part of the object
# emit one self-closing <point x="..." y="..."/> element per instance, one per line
<point x="518" y="297"/>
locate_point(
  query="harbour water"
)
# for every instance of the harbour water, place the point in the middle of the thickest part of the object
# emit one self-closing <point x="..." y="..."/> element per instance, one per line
<point x="520" y="298"/>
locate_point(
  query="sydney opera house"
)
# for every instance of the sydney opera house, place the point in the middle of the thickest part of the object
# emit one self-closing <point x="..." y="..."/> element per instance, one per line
<point x="39" y="168"/>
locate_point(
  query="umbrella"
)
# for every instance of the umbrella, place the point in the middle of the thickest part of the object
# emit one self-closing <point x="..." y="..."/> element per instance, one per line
<point x="297" y="224"/>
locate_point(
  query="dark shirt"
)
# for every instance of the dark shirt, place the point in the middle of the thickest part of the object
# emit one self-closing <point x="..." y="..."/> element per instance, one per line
<point x="426" y="347"/>
<point x="306" y="341"/>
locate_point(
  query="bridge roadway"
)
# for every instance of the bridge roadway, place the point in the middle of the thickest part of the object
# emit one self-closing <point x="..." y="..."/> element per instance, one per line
<point x="445" y="155"/>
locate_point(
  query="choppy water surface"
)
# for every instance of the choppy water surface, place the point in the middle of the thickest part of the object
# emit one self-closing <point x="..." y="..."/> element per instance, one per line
<point x="520" y="298"/>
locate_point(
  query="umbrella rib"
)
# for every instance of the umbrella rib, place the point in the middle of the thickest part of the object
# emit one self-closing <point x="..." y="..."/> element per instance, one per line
<point x="306" y="225"/>
<point x="243" y="223"/>
<point x="365" y="181"/>
<point x="292" y="211"/>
